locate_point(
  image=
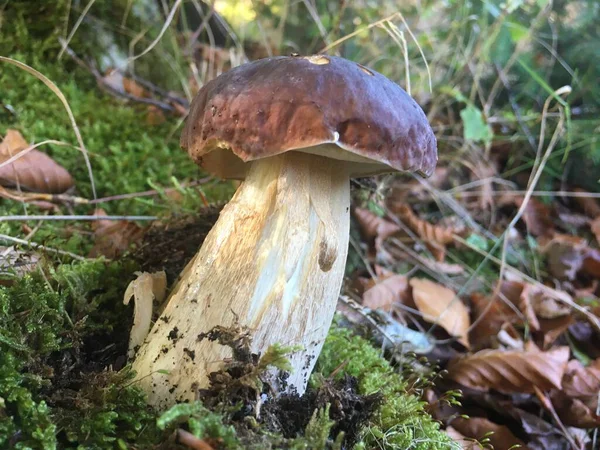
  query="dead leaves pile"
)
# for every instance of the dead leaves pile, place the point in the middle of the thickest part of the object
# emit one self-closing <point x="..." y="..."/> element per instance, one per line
<point x="525" y="353"/>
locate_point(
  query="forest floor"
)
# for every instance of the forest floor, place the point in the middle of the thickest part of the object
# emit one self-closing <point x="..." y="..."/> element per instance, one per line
<point x="470" y="312"/>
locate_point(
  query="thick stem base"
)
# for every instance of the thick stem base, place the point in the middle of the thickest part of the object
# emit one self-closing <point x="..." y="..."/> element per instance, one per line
<point x="273" y="263"/>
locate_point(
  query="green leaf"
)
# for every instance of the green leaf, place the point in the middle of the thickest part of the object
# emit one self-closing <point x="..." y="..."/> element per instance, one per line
<point x="517" y="31"/>
<point x="475" y="127"/>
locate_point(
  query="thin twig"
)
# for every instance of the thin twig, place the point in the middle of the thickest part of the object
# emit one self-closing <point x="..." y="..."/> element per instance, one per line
<point x="73" y="217"/>
<point x="75" y="27"/>
<point x="150" y="192"/>
<point x="160" y="35"/>
<point x="532" y="193"/>
<point x="65" y="103"/>
<point x="37" y="246"/>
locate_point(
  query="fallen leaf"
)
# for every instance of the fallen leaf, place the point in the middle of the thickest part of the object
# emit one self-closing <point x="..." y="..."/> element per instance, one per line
<point x="113" y="237"/>
<point x="372" y="226"/>
<point x="440" y="305"/>
<point x="552" y="329"/>
<point x="488" y="319"/>
<point x="565" y="255"/>
<point x="537" y="217"/>
<point x="595" y="226"/>
<point x="155" y="116"/>
<point x="582" y="382"/>
<point x="591" y="262"/>
<point x="436" y="237"/>
<point x="589" y="205"/>
<point x="464" y="442"/>
<point x="499" y="437"/>
<point x="542" y="304"/>
<point x="35" y="171"/>
<point x="573" y="411"/>
<point x="511" y="371"/>
<point x="123" y="85"/>
<point x="146" y="288"/>
<point x="384" y="294"/>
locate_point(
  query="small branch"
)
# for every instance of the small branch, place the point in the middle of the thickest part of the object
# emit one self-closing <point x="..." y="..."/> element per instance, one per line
<point x="23" y="218"/>
<point x="104" y="85"/>
<point x="35" y="246"/>
<point x="149" y="193"/>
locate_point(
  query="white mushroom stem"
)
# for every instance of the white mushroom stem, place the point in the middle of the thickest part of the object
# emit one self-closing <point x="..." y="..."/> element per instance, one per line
<point x="273" y="262"/>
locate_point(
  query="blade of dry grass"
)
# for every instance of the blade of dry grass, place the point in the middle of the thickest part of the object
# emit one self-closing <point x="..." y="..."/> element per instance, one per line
<point x="65" y="103"/>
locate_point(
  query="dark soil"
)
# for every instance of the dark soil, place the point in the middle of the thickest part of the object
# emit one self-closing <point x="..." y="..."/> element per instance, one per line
<point x="288" y="414"/>
<point x="169" y="246"/>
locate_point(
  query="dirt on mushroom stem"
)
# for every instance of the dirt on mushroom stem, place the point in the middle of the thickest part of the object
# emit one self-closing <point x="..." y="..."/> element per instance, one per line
<point x="273" y="262"/>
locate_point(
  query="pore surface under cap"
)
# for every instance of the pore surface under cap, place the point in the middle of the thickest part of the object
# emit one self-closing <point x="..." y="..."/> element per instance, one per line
<point x="274" y="105"/>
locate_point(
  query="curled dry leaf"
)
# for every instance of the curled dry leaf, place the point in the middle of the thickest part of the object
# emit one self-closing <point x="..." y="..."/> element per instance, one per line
<point x="113" y="237"/>
<point x="537" y="217"/>
<point x="146" y="288"/>
<point x="373" y="227"/>
<point x="436" y="237"/>
<point x="35" y="171"/>
<point x="574" y="412"/>
<point x="383" y="295"/>
<point x="440" y="305"/>
<point x="565" y="256"/>
<point x="498" y="436"/>
<point x="514" y="371"/>
<point x="582" y="382"/>
<point x="543" y="304"/>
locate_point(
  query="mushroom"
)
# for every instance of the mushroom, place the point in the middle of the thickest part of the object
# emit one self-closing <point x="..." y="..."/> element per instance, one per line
<point x="295" y="129"/>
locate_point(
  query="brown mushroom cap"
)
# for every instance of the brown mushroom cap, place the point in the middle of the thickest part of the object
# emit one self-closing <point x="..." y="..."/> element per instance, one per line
<point x="320" y="104"/>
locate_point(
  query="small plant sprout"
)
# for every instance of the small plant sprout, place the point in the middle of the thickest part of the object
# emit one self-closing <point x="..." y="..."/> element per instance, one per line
<point x="295" y="129"/>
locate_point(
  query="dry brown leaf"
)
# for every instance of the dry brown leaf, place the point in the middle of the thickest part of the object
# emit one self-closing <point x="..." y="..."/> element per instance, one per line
<point x="35" y="171"/>
<point x="573" y="411"/>
<point x="511" y="371"/>
<point x="488" y="319"/>
<point x="441" y="306"/>
<point x="383" y="295"/>
<point x="552" y="329"/>
<point x="436" y="237"/>
<point x="566" y="255"/>
<point x="582" y="382"/>
<point x="155" y="116"/>
<point x="372" y="226"/>
<point x="464" y="442"/>
<point x="589" y="205"/>
<point x="542" y="304"/>
<point x="123" y="85"/>
<point x="591" y="262"/>
<point x="537" y="217"/>
<point x="595" y="226"/>
<point x="498" y="436"/>
<point x="113" y="237"/>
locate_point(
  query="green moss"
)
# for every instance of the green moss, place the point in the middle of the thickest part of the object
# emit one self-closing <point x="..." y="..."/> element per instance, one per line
<point x="127" y="154"/>
<point x="202" y="423"/>
<point x="400" y="422"/>
<point x="58" y="332"/>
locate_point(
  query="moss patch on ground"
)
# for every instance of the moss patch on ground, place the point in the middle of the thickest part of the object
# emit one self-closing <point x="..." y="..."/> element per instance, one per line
<point x="64" y="382"/>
